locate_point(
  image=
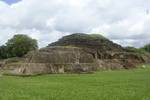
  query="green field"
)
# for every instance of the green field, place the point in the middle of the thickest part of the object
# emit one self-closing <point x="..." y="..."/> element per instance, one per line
<point x="104" y="85"/>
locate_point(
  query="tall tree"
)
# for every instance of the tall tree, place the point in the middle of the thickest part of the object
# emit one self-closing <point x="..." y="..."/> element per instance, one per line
<point x="20" y="44"/>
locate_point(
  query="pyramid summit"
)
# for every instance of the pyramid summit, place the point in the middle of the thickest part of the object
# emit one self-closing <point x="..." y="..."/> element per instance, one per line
<point x="93" y="41"/>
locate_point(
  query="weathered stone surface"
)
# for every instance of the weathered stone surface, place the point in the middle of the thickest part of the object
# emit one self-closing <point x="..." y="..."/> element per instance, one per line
<point x="1" y="64"/>
<point x="76" y="53"/>
<point x="59" y="55"/>
<point x="62" y="59"/>
<point x="49" y="68"/>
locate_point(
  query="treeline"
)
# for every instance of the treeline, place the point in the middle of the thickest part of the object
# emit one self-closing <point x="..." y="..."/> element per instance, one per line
<point x="143" y="49"/>
<point x="18" y="46"/>
<point x="146" y="48"/>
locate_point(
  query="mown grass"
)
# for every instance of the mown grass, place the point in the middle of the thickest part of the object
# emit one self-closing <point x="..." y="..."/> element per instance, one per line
<point x="104" y="85"/>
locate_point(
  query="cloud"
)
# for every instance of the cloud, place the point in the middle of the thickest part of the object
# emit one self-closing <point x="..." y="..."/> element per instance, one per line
<point x="125" y="22"/>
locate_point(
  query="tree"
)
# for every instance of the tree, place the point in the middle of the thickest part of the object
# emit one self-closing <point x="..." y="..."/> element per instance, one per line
<point x="3" y="52"/>
<point x="146" y="48"/>
<point x="20" y="45"/>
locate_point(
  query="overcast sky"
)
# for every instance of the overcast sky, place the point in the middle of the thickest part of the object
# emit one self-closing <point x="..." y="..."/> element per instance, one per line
<point x="126" y="22"/>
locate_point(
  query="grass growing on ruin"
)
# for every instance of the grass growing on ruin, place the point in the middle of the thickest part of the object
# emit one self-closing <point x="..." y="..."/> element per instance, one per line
<point x="105" y="85"/>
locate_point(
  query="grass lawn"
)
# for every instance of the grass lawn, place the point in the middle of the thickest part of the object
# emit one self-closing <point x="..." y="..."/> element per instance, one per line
<point x="105" y="85"/>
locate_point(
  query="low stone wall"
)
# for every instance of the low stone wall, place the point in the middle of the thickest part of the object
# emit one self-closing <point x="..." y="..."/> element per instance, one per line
<point x="48" y="68"/>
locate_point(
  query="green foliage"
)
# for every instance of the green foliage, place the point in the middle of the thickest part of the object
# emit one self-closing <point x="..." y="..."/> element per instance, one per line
<point x="3" y="52"/>
<point x="96" y="36"/>
<point x="18" y="46"/>
<point x="136" y="50"/>
<point x="80" y="39"/>
<point x="81" y="36"/>
<point x="146" y="48"/>
<point x="105" y="85"/>
<point x="92" y="41"/>
<point x="131" y="49"/>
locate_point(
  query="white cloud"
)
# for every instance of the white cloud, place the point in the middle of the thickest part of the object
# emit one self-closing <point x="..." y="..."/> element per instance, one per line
<point x="125" y="22"/>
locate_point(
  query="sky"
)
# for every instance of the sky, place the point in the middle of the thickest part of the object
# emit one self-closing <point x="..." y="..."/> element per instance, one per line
<point x="11" y="1"/>
<point x="125" y="22"/>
